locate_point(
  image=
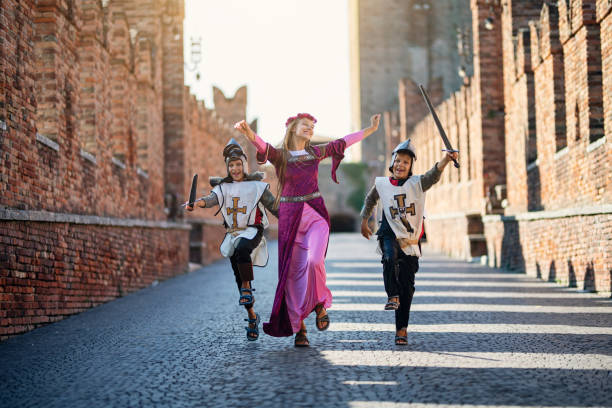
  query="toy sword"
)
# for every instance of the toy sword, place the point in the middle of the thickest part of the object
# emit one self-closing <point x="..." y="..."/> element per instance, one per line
<point x="449" y="147"/>
<point x="193" y="192"/>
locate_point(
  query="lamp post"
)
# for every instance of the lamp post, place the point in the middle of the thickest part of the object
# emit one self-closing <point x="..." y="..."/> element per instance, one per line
<point x="195" y="56"/>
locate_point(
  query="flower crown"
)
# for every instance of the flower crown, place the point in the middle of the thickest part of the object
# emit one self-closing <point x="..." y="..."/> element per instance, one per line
<point x="300" y="116"/>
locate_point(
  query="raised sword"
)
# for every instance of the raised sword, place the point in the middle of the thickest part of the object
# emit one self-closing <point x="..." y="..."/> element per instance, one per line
<point x="447" y="143"/>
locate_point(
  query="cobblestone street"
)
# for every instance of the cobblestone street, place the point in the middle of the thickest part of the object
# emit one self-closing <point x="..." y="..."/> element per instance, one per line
<point x="478" y="337"/>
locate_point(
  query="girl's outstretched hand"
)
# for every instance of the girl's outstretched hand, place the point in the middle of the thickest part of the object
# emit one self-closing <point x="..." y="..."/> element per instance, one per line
<point x="244" y="128"/>
<point x="374" y="122"/>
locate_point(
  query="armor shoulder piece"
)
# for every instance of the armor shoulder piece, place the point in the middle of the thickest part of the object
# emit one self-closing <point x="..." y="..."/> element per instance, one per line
<point x="215" y="181"/>
<point x="256" y="176"/>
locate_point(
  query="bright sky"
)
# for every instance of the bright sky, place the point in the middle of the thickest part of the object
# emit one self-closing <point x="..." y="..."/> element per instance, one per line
<point x="292" y="55"/>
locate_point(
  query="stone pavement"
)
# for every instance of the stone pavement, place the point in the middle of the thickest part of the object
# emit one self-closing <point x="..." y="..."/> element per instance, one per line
<point x="478" y="337"/>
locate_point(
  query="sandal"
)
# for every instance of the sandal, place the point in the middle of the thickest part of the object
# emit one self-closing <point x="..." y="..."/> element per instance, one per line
<point x="301" y="340"/>
<point x="247" y="296"/>
<point x="401" y="340"/>
<point x="252" y="332"/>
<point x="321" y="322"/>
<point x="392" y="304"/>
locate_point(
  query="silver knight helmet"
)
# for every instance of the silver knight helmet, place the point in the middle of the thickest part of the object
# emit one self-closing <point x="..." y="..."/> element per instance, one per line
<point x="233" y="151"/>
<point x="404" y="147"/>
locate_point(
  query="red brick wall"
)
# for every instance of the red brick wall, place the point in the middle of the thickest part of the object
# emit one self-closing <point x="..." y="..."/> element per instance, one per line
<point x="549" y="72"/>
<point x="62" y="90"/>
<point x="53" y="270"/>
<point x="571" y="250"/>
<point x="582" y="50"/>
<point x="604" y="17"/>
<point x="519" y="103"/>
<point x="473" y="119"/>
<point x="95" y="121"/>
<point x="17" y="101"/>
<point x="556" y="103"/>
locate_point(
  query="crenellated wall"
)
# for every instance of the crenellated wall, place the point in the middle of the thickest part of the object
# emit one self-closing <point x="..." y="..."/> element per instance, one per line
<point x="94" y="118"/>
<point x="207" y="132"/>
<point x="99" y="139"/>
<point x="533" y="126"/>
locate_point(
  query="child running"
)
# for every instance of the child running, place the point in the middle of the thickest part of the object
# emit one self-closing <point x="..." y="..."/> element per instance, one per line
<point x="241" y="198"/>
<point x="402" y="198"/>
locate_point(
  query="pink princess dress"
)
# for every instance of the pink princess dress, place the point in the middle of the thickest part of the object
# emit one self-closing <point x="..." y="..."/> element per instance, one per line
<point x="303" y="234"/>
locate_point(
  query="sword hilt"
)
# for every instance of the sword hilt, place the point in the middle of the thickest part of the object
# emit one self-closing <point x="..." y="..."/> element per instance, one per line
<point x="454" y="160"/>
<point x="194" y="201"/>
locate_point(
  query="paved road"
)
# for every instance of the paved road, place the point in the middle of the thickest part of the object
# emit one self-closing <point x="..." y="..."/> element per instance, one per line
<point x="478" y="337"/>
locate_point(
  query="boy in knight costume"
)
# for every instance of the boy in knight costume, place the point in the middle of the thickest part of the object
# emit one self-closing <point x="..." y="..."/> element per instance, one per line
<point x="241" y="198"/>
<point x="400" y="219"/>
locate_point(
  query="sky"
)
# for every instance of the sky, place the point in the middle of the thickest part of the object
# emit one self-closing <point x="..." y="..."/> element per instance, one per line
<point x="292" y="55"/>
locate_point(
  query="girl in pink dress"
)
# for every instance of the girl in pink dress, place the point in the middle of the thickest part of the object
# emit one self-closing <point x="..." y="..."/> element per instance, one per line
<point x="303" y="223"/>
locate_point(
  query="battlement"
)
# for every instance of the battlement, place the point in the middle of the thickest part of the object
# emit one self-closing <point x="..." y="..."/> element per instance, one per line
<point x="533" y="126"/>
<point x="99" y="140"/>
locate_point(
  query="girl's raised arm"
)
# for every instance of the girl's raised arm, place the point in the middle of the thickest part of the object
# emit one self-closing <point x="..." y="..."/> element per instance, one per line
<point x="362" y="134"/>
<point x="244" y="128"/>
<point x="265" y="151"/>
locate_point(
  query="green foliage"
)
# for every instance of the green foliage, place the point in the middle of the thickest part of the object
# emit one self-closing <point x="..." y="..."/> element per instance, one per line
<point x="356" y="174"/>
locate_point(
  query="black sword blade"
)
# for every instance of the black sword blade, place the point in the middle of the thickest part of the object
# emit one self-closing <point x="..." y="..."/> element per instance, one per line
<point x="194" y="187"/>
<point x="447" y="142"/>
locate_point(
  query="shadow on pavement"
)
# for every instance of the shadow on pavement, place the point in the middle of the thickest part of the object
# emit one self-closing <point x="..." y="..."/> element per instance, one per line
<point x="182" y="343"/>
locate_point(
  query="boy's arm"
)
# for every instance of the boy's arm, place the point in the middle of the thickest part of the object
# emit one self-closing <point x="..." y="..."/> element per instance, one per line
<point x="368" y="206"/>
<point x="209" y="201"/>
<point x="433" y="175"/>
<point x="369" y="203"/>
<point x="205" y="202"/>
<point x="268" y="200"/>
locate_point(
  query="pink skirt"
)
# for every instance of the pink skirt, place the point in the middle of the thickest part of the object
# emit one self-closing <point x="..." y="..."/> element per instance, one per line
<point x="305" y="287"/>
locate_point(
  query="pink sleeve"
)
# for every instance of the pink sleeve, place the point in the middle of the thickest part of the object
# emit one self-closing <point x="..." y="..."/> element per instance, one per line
<point x="260" y="144"/>
<point x="265" y="151"/>
<point x="353" y="138"/>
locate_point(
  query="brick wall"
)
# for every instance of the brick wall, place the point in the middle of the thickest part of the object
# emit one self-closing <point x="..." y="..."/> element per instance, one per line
<point x="60" y="135"/>
<point x="473" y="118"/>
<point x="565" y="170"/>
<point x="572" y="249"/>
<point x="604" y="17"/>
<point x="99" y="141"/>
<point x="549" y="107"/>
<point x="51" y="270"/>
<point x="414" y="39"/>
